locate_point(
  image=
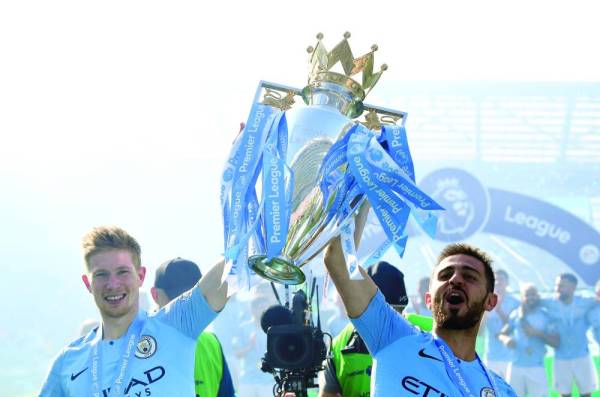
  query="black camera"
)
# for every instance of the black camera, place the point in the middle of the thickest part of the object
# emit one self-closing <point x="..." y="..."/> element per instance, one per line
<point x="295" y="347"/>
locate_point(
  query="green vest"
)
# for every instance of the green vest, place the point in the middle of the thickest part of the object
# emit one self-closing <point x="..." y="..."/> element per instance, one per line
<point x="353" y="364"/>
<point x="424" y="323"/>
<point x="209" y="365"/>
<point x="352" y="368"/>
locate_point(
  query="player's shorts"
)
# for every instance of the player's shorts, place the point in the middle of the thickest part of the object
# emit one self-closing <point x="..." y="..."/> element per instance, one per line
<point x="528" y="380"/>
<point x="579" y="370"/>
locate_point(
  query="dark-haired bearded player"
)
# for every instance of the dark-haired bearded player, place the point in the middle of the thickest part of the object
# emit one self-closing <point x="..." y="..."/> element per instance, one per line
<point x="409" y="362"/>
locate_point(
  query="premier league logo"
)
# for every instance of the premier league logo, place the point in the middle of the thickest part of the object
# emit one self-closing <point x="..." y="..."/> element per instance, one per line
<point x="146" y="347"/>
<point x="589" y="254"/>
<point x="465" y="199"/>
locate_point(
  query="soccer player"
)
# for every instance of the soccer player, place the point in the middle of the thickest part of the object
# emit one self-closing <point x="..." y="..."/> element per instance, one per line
<point x="527" y="333"/>
<point x="418" y="304"/>
<point x="133" y="353"/>
<point x="348" y="372"/>
<point x="410" y="362"/>
<point x="572" y="359"/>
<point x="211" y="374"/>
<point x="594" y="315"/>
<point x="497" y="356"/>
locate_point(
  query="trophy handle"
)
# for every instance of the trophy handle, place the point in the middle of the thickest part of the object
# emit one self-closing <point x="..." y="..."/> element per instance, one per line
<point x="373" y="116"/>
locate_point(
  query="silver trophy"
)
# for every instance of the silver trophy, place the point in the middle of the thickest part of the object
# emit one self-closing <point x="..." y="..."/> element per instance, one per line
<point x="332" y="105"/>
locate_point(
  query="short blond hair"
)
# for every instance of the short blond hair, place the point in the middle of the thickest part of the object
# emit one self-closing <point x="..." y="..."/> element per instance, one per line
<point x="107" y="238"/>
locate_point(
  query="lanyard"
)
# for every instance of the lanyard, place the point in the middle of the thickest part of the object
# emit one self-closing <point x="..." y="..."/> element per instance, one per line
<point x="456" y="374"/>
<point x="115" y="389"/>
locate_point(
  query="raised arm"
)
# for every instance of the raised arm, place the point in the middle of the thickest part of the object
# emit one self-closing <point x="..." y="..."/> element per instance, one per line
<point x="355" y="294"/>
<point x="213" y="290"/>
<point x="193" y="310"/>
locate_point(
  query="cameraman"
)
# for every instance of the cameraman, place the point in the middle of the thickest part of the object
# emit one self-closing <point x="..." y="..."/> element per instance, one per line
<point x="348" y="373"/>
<point x="211" y="373"/>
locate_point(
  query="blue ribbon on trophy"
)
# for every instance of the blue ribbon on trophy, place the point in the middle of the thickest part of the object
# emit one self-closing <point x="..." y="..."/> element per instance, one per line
<point x="314" y="166"/>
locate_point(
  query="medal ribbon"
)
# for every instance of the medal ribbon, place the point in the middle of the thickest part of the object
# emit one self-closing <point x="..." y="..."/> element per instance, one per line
<point x="116" y="387"/>
<point x="456" y="374"/>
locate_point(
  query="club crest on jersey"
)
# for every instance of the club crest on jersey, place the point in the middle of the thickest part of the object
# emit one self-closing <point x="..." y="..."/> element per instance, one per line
<point x="146" y="347"/>
<point x="487" y="392"/>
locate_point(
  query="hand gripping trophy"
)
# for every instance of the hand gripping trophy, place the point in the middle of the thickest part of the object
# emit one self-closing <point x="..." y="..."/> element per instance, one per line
<point x="298" y="173"/>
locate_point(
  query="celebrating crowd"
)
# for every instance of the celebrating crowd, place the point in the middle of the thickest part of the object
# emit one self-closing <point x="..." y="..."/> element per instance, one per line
<point x="384" y="352"/>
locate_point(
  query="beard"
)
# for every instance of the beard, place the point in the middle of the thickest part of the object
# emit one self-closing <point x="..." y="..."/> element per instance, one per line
<point x="564" y="296"/>
<point x="452" y="320"/>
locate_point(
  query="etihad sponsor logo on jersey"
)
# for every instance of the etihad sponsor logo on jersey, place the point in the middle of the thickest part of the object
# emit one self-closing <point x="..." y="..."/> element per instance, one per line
<point x="151" y="376"/>
<point x="421" y="388"/>
<point x="146" y="347"/>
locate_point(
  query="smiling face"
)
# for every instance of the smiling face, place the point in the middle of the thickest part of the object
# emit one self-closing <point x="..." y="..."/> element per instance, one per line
<point x="114" y="281"/>
<point x="458" y="294"/>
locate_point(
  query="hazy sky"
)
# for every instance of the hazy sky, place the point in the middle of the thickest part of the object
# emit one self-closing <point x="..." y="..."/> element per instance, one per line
<point x="123" y="111"/>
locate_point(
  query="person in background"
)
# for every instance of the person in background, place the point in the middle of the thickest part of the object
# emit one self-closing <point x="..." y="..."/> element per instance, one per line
<point x="496" y="354"/>
<point x="211" y="372"/>
<point x="234" y="313"/>
<point x="418" y="305"/>
<point x="348" y="372"/>
<point x="572" y="358"/>
<point x="133" y="352"/>
<point x="527" y="333"/>
<point x="594" y="315"/>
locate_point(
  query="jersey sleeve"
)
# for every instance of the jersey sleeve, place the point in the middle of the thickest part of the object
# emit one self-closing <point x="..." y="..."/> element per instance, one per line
<point x="380" y="325"/>
<point x="52" y="385"/>
<point x="189" y="313"/>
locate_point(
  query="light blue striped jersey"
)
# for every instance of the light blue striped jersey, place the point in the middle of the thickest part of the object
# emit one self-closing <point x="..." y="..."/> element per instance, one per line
<point x="162" y="364"/>
<point x="408" y="362"/>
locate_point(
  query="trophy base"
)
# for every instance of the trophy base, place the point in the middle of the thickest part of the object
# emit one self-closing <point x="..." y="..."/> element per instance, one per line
<point x="277" y="269"/>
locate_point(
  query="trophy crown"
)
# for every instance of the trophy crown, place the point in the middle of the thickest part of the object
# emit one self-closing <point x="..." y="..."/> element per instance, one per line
<point x="322" y="63"/>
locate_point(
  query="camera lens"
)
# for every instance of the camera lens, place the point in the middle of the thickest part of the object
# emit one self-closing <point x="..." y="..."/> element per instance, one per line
<point x="291" y="348"/>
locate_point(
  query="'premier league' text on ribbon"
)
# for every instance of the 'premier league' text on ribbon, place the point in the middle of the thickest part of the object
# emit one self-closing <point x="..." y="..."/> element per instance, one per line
<point x="274" y="193"/>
